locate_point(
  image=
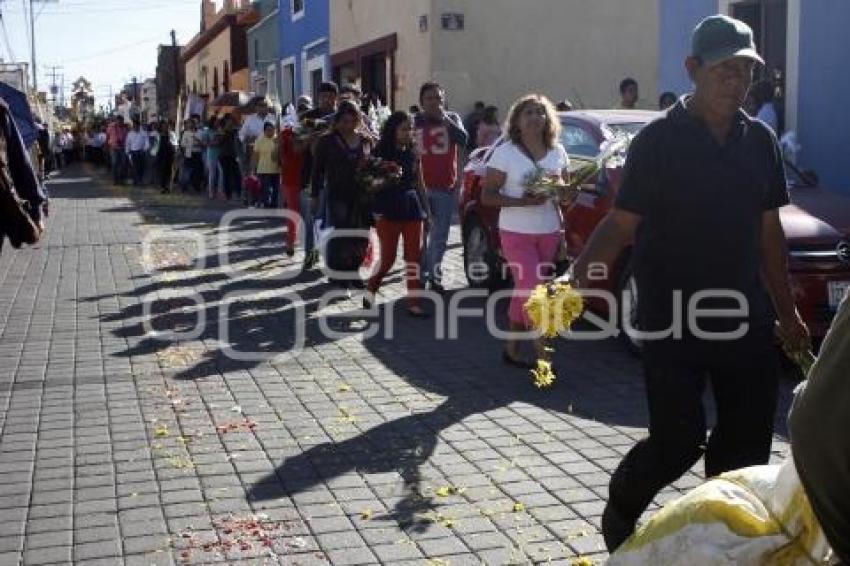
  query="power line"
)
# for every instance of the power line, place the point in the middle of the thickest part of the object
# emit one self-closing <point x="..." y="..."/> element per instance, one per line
<point x="111" y="50"/>
<point x="6" y="36"/>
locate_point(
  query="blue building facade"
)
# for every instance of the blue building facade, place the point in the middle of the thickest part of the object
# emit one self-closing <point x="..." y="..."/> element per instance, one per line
<point x="263" y="48"/>
<point x="823" y="118"/>
<point x="304" y="47"/>
<point x="807" y="42"/>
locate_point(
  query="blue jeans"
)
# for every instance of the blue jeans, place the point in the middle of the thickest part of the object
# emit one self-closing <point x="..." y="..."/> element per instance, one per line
<point x="443" y="204"/>
<point x="307" y="219"/>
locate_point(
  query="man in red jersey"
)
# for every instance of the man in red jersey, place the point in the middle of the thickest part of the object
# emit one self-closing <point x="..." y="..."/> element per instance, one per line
<point x="440" y="135"/>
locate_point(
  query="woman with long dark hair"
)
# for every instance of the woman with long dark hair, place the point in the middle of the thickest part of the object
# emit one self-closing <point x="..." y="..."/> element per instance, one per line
<point x="226" y="136"/>
<point x="400" y="209"/>
<point x="336" y="157"/>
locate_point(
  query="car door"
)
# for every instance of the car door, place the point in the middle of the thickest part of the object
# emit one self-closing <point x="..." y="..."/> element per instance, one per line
<point x="582" y="140"/>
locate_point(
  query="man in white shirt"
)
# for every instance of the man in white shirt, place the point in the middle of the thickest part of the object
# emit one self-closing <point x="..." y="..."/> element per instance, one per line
<point x="98" y="145"/>
<point x="252" y="128"/>
<point x="137" y="145"/>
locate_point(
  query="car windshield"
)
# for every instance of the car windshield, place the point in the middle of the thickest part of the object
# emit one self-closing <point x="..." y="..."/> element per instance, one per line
<point x="580" y="142"/>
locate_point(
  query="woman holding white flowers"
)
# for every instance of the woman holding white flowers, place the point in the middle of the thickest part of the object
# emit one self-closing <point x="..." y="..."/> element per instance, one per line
<point x="529" y="225"/>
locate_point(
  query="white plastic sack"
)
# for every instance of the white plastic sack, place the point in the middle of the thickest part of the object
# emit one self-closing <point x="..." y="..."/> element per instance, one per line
<point x="757" y="516"/>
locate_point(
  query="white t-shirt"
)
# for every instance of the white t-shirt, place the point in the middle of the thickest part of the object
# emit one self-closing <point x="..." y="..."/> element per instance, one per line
<point x="511" y="160"/>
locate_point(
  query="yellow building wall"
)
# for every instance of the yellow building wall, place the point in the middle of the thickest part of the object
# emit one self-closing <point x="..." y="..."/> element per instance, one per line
<point x="212" y="57"/>
<point x="354" y="23"/>
<point x="575" y="49"/>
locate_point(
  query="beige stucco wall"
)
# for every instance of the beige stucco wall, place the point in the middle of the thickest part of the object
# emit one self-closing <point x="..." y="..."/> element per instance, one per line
<point x="355" y="22"/>
<point x="576" y="49"/>
<point x="213" y="56"/>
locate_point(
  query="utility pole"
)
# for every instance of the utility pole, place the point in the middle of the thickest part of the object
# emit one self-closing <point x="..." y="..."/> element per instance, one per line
<point x="176" y="69"/>
<point x="32" y="49"/>
<point x="53" y="88"/>
<point x="32" y="41"/>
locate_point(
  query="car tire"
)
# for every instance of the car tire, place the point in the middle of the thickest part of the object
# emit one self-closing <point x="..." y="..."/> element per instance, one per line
<point x="478" y="249"/>
<point x="627" y="286"/>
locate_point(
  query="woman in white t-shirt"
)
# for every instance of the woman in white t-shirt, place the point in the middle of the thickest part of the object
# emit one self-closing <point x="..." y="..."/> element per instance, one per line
<point x="529" y="227"/>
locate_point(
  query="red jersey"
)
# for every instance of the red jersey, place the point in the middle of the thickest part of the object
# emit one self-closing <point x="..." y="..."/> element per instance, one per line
<point x="439" y="142"/>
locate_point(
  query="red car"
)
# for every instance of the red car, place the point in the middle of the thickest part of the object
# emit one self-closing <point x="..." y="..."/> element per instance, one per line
<point x="817" y="224"/>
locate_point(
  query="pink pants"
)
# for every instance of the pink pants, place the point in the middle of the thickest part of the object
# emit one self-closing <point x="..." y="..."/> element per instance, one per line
<point x="527" y="254"/>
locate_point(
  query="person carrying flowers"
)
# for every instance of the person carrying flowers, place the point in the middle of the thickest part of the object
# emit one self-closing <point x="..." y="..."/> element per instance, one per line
<point x="700" y="198"/>
<point x="400" y="207"/>
<point x="336" y="157"/>
<point x="529" y="226"/>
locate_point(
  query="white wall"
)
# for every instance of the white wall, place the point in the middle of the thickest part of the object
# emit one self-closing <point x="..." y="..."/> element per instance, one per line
<point x="576" y="49"/>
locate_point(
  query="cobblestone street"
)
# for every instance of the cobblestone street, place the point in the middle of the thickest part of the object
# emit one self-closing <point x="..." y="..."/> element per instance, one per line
<point x="123" y="445"/>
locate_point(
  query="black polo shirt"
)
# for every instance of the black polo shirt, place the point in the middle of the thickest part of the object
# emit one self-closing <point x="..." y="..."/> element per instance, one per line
<point x="702" y="205"/>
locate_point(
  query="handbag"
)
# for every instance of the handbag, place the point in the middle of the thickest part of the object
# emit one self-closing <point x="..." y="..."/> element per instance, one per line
<point x="15" y="220"/>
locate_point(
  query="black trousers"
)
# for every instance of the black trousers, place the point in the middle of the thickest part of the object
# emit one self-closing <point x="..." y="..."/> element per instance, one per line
<point x="744" y="379"/>
<point x="231" y="175"/>
<point x="164" y="163"/>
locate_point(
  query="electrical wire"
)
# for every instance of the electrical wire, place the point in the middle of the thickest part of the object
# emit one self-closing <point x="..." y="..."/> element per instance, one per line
<point x="111" y="50"/>
<point x="6" y="38"/>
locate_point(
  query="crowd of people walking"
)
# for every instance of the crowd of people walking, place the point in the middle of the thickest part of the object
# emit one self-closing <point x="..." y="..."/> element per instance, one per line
<point x="341" y="169"/>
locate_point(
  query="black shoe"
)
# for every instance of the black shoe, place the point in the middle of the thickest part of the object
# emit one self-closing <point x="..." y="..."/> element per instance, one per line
<point x="616" y="529"/>
<point x="517" y="363"/>
<point x="368" y="301"/>
<point x="311" y="259"/>
<point x="290" y="251"/>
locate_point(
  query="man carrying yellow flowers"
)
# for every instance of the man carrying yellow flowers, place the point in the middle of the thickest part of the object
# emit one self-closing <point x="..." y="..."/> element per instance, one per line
<point x="700" y="195"/>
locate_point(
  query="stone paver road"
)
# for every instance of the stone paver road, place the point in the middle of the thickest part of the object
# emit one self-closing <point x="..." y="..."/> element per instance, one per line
<point x="122" y="446"/>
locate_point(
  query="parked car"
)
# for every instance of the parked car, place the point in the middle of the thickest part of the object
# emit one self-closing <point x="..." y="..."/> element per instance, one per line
<point x="817" y="225"/>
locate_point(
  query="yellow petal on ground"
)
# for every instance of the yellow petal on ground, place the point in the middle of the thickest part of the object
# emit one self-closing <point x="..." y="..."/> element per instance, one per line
<point x="443" y="491"/>
<point x="161" y="431"/>
<point x="519" y="507"/>
<point x="344" y="387"/>
<point x="366" y="514"/>
<point x="582" y="561"/>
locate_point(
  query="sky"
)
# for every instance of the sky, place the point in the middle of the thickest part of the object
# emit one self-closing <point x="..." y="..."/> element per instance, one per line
<point x="106" y="41"/>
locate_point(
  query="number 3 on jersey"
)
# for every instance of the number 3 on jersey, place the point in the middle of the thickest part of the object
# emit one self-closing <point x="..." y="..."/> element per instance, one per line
<point x="433" y="140"/>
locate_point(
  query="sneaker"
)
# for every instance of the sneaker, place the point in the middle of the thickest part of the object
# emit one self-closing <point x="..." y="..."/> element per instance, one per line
<point x="616" y="528"/>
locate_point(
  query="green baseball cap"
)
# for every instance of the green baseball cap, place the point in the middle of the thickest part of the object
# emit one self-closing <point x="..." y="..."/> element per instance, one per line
<point x="720" y="37"/>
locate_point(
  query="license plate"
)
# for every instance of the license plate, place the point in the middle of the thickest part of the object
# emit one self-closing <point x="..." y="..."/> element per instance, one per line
<point x="837" y="290"/>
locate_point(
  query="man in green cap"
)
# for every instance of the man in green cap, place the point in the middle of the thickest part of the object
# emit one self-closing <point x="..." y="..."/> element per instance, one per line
<point x="699" y="197"/>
